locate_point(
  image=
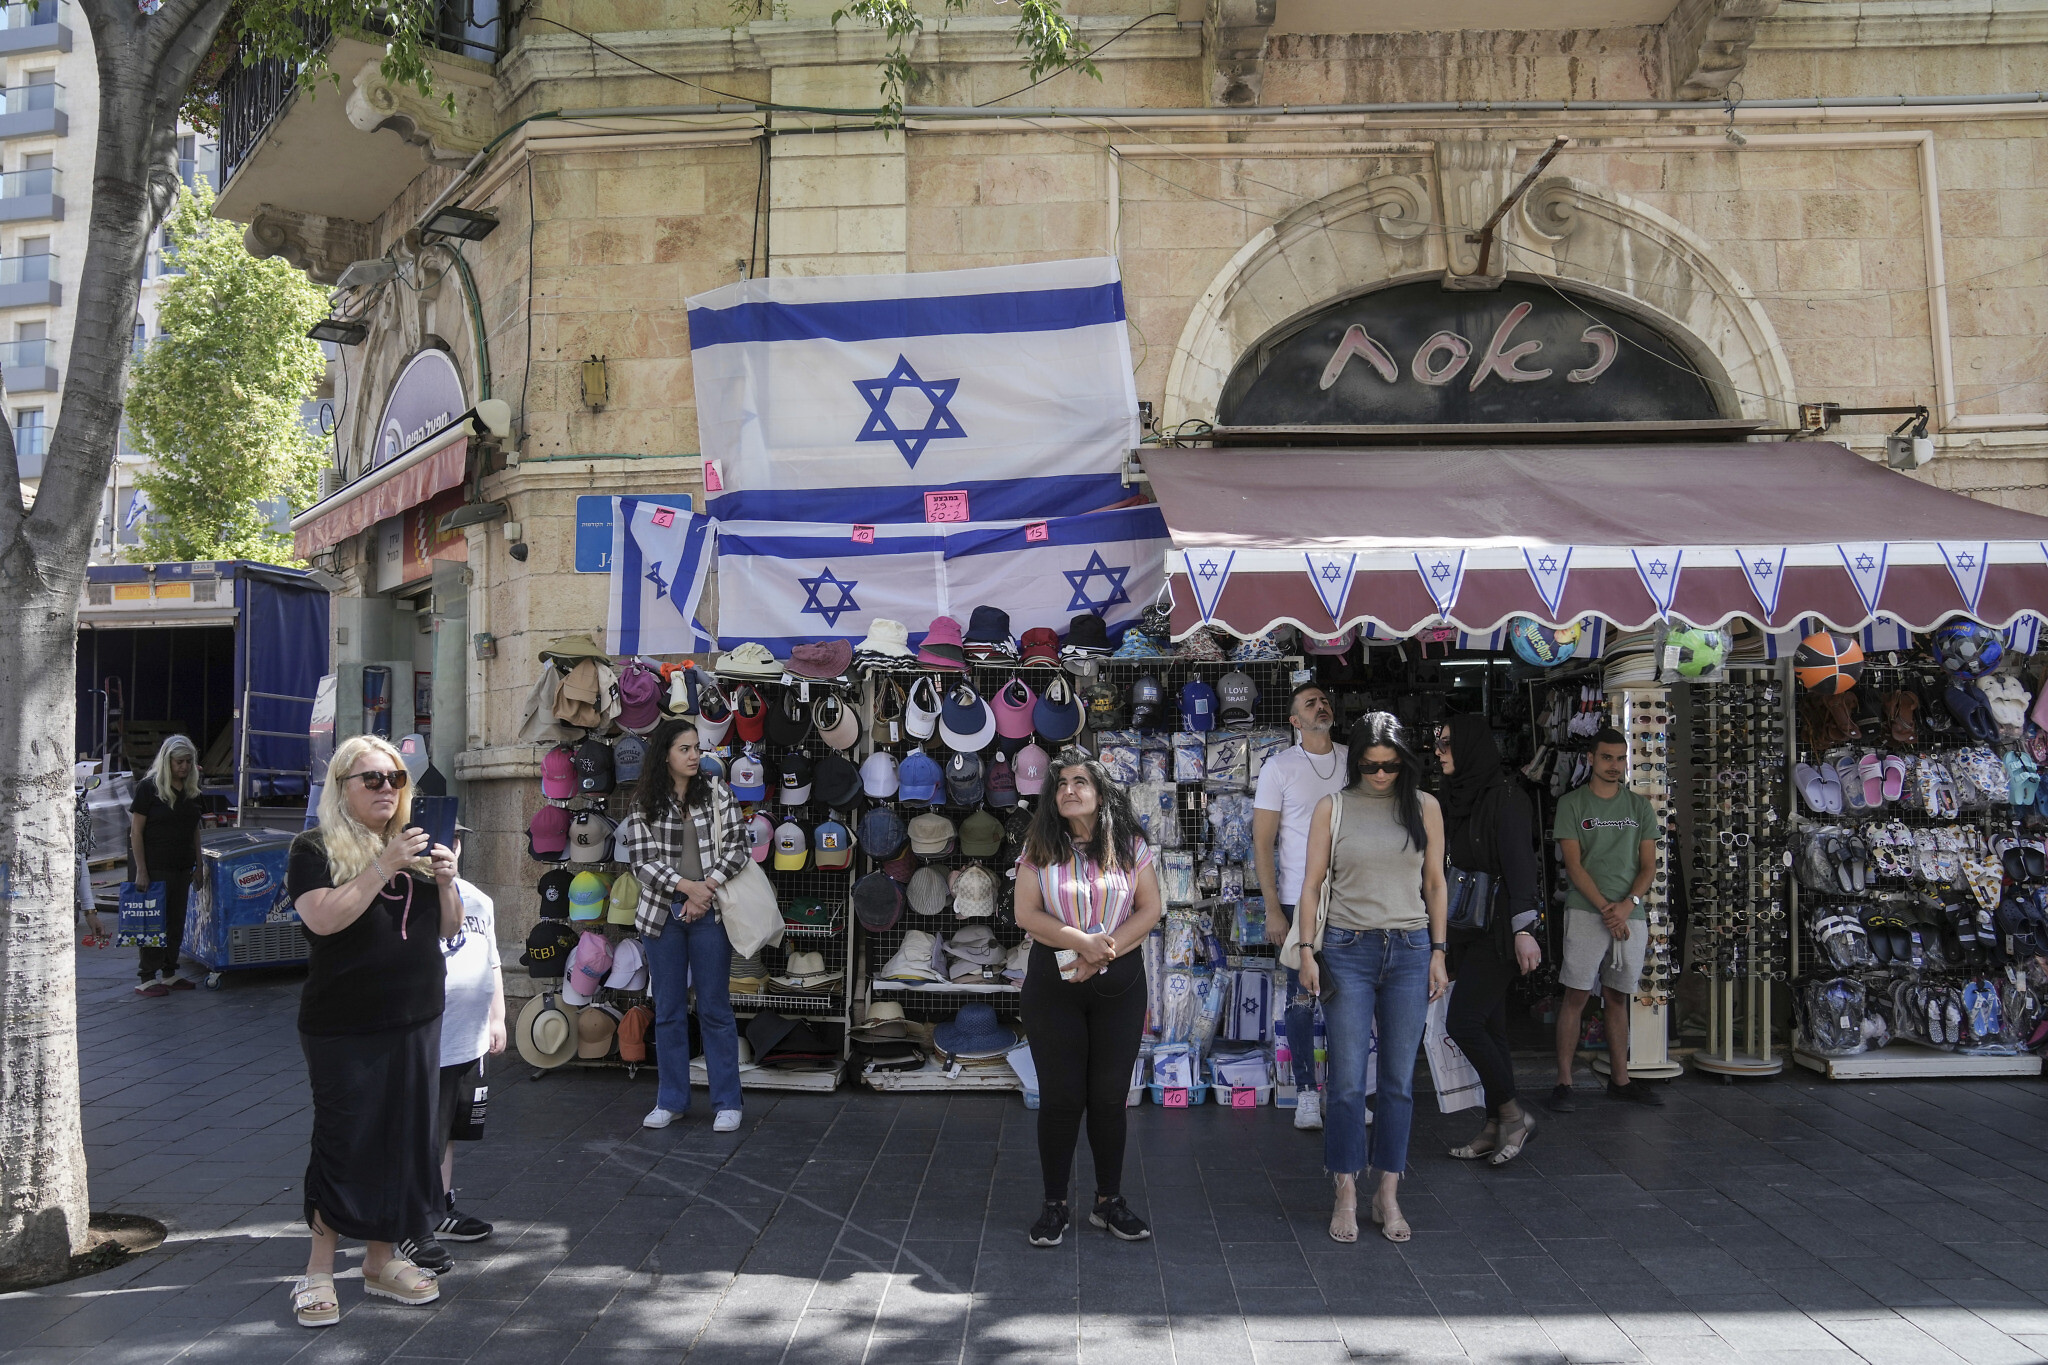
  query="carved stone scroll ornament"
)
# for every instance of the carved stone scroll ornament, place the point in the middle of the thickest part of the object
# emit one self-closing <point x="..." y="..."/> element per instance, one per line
<point x="426" y="122"/>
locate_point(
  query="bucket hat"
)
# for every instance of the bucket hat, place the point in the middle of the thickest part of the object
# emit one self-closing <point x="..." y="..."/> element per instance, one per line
<point x="942" y="646"/>
<point x="1087" y="637"/>
<point x="546" y="1032"/>
<point x="965" y="721"/>
<point x="835" y="721"/>
<point x="571" y="648"/>
<point x="750" y="660"/>
<point x="886" y="638"/>
<point x="824" y="659"/>
<point x="877" y="902"/>
<point x="988" y="635"/>
<point x="974" y="1031"/>
<point x="1041" y="645"/>
<point x="639" y="698"/>
<point x="913" y="960"/>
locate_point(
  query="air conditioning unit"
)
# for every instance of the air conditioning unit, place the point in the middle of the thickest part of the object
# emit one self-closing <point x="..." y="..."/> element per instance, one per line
<point x="330" y="481"/>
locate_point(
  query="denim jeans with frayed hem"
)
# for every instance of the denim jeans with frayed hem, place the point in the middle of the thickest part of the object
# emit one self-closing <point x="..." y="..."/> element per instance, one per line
<point x="1380" y="975"/>
<point x="693" y="954"/>
<point x="1299" y="1024"/>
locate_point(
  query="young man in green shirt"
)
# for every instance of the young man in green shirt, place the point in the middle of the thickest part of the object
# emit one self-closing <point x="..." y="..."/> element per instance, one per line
<point x="1608" y="834"/>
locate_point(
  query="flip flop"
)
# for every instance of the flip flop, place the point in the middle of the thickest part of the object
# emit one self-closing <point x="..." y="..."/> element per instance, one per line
<point x="1894" y="777"/>
<point x="1850" y="778"/>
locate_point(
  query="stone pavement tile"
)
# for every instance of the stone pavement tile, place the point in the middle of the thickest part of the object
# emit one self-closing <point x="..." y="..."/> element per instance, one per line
<point x="1263" y="1265"/>
<point x="654" y="1320"/>
<point x="1469" y="1297"/>
<point x="1761" y="1322"/>
<point x="1589" y="1338"/>
<point x="1968" y="1336"/>
<point x="1894" y="1342"/>
<point x="511" y="1347"/>
<point x="587" y="1353"/>
<point x="457" y="1326"/>
<point x="1537" y="1281"/>
<point x="1505" y="1337"/>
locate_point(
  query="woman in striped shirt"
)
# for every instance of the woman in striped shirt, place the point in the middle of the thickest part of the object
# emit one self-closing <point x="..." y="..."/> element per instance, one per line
<point x="1087" y="895"/>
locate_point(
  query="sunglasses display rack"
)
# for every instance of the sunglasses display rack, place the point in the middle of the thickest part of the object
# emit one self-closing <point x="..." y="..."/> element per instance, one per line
<point x="1567" y="708"/>
<point x="1644" y="715"/>
<point x="1918" y="875"/>
<point x="1739" y="895"/>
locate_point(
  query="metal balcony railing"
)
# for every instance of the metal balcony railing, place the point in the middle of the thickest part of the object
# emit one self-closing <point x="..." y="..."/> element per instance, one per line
<point x="29" y="16"/>
<point x="31" y="443"/>
<point x="37" y="269"/>
<point x="17" y="355"/>
<point x="23" y="184"/>
<point x="22" y="99"/>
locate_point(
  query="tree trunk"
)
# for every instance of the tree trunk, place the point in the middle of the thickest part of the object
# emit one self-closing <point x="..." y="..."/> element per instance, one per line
<point x="145" y="63"/>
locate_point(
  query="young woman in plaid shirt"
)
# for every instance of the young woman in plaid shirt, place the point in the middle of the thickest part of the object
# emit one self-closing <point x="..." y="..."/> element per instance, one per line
<point x="684" y="840"/>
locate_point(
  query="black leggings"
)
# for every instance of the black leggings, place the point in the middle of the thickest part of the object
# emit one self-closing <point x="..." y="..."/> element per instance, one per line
<point x="1477" y="1018"/>
<point x="1084" y="1042"/>
<point x="177" y="885"/>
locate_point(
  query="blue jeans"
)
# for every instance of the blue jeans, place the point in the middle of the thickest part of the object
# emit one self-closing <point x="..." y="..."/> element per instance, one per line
<point x="1299" y="1024"/>
<point x="693" y="954"/>
<point x="1383" y="975"/>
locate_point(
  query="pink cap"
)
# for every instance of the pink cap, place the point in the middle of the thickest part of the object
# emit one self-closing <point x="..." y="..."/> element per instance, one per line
<point x="1031" y="764"/>
<point x="761" y="835"/>
<point x="547" y="834"/>
<point x="558" y="772"/>
<point x="588" y="966"/>
<point x="1013" y="709"/>
<point x="639" y="698"/>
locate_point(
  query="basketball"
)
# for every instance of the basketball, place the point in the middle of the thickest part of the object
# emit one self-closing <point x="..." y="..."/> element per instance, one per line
<point x="1827" y="663"/>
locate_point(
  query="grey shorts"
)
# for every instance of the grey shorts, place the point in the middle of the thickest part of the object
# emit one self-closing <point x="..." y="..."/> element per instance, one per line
<point x="1590" y="956"/>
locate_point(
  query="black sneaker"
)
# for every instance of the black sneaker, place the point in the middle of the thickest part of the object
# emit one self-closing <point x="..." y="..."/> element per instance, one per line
<point x="1115" y="1215"/>
<point x="1635" y="1092"/>
<point x="457" y="1226"/>
<point x="1560" y="1101"/>
<point x="426" y="1253"/>
<point x="1051" y="1225"/>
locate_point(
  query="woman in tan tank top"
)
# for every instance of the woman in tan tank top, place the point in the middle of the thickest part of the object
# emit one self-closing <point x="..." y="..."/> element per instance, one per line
<point x="1381" y="961"/>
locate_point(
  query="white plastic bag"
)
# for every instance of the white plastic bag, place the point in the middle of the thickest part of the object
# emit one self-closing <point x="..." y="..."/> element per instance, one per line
<point x="1450" y="1071"/>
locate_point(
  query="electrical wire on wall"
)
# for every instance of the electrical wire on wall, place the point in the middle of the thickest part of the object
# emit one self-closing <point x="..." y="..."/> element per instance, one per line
<point x="526" y="378"/>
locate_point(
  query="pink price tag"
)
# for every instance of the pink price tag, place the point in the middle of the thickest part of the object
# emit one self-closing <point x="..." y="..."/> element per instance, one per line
<point x="714" y="478"/>
<point x="1440" y="635"/>
<point x="863" y="535"/>
<point x="1037" y="532"/>
<point x="945" y="506"/>
<point x="663" y="517"/>
<point x="1176" y="1099"/>
<point x="1244" y="1097"/>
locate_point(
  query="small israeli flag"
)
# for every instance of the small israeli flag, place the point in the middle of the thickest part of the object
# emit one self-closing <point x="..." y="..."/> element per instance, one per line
<point x="661" y="552"/>
<point x="1550" y="567"/>
<point x="1330" y="575"/>
<point x="1658" y="567"/>
<point x="1764" y="567"/>
<point x="1207" y="573"/>
<point x="1966" y="564"/>
<point x="1866" y="562"/>
<point x="1443" y="573"/>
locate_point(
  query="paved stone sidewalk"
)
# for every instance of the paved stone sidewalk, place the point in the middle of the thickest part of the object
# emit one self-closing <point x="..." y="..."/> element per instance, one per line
<point x="1784" y="1220"/>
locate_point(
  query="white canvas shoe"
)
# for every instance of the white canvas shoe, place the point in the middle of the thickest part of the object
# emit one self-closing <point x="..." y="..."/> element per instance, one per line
<point x="727" y="1121"/>
<point x="1308" y="1109"/>
<point x="657" y="1117"/>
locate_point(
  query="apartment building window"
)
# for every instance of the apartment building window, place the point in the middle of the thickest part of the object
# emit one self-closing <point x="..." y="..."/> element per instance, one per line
<point x="30" y="264"/>
<point x="29" y="440"/>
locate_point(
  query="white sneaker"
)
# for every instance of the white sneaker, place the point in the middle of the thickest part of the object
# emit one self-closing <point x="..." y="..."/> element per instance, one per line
<point x="727" y="1121"/>
<point x="1308" y="1109"/>
<point x="657" y="1117"/>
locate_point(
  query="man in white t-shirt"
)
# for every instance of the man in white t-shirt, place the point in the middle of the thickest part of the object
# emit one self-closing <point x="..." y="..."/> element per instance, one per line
<point x="1290" y="784"/>
<point x="472" y="1024"/>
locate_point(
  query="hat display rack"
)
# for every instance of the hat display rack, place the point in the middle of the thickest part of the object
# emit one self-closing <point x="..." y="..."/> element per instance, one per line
<point x="1917" y="922"/>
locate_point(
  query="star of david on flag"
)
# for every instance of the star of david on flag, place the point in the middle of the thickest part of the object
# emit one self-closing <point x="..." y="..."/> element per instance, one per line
<point x="657" y="577"/>
<point x="1764" y="568"/>
<point x="1098" y="600"/>
<point x="1659" y="567"/>
<point x="1208" y="572"/>
<point x="1966" y="565"/>
<point x="1330" y="575"/>
<point x="1866" y="563"/>
<point x="841" y="604"/>
<point x="1443" y="573"/>
<point x="939" y="423"/>
<point x="1549" y="569"/>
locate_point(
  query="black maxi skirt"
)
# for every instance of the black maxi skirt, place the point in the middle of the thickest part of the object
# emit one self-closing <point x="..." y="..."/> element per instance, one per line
<point x="375" y="1167"/>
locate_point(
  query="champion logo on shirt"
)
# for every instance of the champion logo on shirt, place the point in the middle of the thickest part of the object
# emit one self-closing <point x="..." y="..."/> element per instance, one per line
<point x="1607" y="824"/>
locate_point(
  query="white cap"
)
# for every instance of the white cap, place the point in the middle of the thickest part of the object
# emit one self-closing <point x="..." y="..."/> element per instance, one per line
<point x="878" y="775"/>
<point x="921" y="710"/>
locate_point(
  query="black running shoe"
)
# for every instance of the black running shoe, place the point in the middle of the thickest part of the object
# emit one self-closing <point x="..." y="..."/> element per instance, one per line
<point x="426" y="1253"/>
<point x="1115" y="1215"/>
<point x="1560" y="1101"/>
<point x="1635" y="1092"/>
<point x="457" y="1226"/>
<point x="1051" y="1225"/>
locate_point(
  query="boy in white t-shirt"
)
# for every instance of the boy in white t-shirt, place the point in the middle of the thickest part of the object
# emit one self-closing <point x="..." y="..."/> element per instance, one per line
<point x="1290" y="784"/>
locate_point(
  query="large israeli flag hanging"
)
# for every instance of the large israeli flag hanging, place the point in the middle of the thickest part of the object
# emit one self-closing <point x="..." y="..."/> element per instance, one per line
<point x="660" y="555"/>
<point x="787" y="583"/>
<point x="850" y="398"/>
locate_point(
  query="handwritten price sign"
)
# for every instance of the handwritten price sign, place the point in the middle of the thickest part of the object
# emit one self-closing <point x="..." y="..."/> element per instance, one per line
<point x="1244" y="1097"/>
<point x="863" y="535"/>
<point x="1037" y="533"/>
<point x="663" y="516"/>
<point x="945" y="506"/>
<point x="714" y="477"/>
<point x="1176" y="1099"/>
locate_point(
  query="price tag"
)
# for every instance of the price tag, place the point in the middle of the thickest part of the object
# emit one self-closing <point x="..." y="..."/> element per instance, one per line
<point x="714" y="477"/>
<point x="946" y="506"/>
<point x="863" y="535"/>
<point x="1176" y="1099"/>
<point x="1244" y="1097"/>
<point x="1037" y="533"/>
<point x="1300" y="676"/>
<point x="803" y="690"/>
<point x="1440" y="635"/>
<point x="953" y="1072"/>
<point x="663" y="517"/>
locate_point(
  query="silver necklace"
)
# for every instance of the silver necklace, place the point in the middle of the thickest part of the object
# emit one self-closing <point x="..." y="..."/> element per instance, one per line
<point x="1321" y="776"/>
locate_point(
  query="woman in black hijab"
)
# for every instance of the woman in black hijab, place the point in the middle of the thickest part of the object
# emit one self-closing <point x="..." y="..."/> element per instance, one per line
<point x="1489" y="827"/>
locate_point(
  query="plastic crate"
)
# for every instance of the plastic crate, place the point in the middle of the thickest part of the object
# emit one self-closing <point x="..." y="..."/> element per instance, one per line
<point x="1196" y="1094"/>
<point x="1227" y="1095"/>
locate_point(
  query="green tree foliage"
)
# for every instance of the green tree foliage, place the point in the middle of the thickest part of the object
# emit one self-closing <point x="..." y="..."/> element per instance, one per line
<point x="214" y="403"/>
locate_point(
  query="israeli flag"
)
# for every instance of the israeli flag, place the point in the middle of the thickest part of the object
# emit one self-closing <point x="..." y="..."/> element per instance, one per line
<point x="1659" y="569"/>
<point x="661" y="553"/>
<point x="849" y="398"/>
<point x="792" y="582"/>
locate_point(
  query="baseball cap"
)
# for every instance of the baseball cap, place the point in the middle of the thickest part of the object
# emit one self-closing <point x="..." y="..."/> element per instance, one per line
<point x="594" y="1031"/>
<point x="1104" y="712"/>
<point x="629" y="964"/>
<point x="836" y="723"/>
<point x="791" y="849"/>
<point x="882" y="833"/>
<point x="554" y="893"/>
<point x="929" y="891"/>
<point x="918" y="779"/>
<point x="634" y="1025"/>
<point x="1197" y="706"/>
<point x="1058" y="715"/>
<point x="963" y="780"/>
<point x="748" y="779"/>
<point x="789" y="720"/>
<point x="834" y="844"/>
<point x="587" y="894"/>
<point x="589" y="964"/>
<point x="981" y="834"/>
<point x="878" y="775"/>
<point x="639" y="697"/>
<point x="558" y="772"/>
<point x="629" y="755"/>
<point x="761" y="836"/>
<point x="974" y="892"/>
<point x="921" y="709"/>
<point x="1000" y="783"/>
<point x="547" y="949"/>
<point x="1339" y="643"/>
<point x="547" y="835"/>
<point x="965" y="722"/>
<point x="749" y="714"/>
<point x="624" y="902"/>
<point x="1236" y="696"/>
<point x="835" y="782"/>
<point x="593" y="763"/>
<point x="1032" y="764"/>
<point x="1040" y="645"/>
<point x="795" y="787"/>
<point x="877" y="902"/>
<point x="931" y="835"/>
<point x="1013" y="703"/>
<point x="1146" y="700"/>
<point x="590" y="838"/>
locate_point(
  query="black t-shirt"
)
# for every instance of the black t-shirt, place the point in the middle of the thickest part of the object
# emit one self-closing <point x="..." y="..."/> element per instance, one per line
<point x="370" y="976"/>
<point x="168" y="832"/>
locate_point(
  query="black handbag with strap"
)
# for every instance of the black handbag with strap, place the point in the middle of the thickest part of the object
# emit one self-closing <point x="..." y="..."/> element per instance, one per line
<point x="1468" y="899"/>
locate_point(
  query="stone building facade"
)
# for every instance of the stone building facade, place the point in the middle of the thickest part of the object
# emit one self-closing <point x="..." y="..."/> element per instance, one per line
<point x="1248" y="161"/>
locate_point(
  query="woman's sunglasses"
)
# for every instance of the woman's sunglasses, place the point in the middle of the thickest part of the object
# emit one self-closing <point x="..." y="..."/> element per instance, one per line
<point x="378" y="781"/>
<point x="1371" y="767"/>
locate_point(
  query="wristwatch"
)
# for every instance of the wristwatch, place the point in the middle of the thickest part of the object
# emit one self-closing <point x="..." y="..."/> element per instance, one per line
<point x="1636" y="901"/>
<point x="1439" y="947"/>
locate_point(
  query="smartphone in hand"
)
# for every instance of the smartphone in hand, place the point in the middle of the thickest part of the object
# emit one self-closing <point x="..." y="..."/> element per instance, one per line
<point x="435" y="815"/>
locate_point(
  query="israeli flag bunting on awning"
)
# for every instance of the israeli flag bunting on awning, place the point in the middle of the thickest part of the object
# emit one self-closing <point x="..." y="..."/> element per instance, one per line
<point x="1549" y="567"/>
<point x="1207" y="573"/>
<point x="1966" y="564"/>
<point x="1865" y="561"/>
<point x="661" y="553"/>
<point x="1443" y="573"/>
<point x="2023" y="636"/>
<point x="1658" y="567"/>
<point x="1764" y="567"/>
<point x="1330" y="575"/>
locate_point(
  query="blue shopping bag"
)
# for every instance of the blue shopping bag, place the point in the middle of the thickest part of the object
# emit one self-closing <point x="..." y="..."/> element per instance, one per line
<point x="142" y="916"/>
